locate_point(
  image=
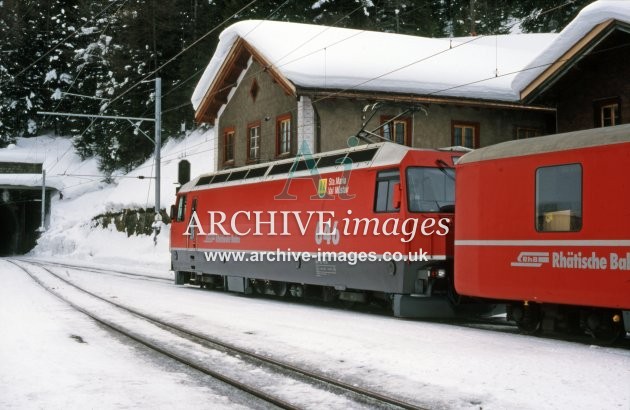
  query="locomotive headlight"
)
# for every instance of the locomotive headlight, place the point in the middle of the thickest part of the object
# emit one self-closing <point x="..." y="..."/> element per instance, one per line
<point x="438" y="273"/>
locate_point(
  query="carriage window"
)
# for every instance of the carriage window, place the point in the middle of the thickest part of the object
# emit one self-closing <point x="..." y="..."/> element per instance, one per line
<point x="181" y="208"/>
<point x="385" y="182"/>
<point x="559" y="198"/>
<point x="431" y="189"/>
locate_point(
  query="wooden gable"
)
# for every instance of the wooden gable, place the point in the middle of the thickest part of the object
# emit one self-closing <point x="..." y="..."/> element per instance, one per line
<point x="557" y="69"/>
<point x="227" y="78"/>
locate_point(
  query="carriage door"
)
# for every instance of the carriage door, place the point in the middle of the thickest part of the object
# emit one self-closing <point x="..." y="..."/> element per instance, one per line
<point x="193" y="231"/>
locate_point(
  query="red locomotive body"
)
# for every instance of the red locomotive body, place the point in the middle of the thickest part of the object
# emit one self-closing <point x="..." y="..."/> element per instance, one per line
<point x="544" y="223"/>
<point x="369" y="221"/>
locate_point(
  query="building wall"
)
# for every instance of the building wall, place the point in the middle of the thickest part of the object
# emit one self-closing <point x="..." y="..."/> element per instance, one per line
<point x="340" y="119"/>
<point x="241" y="110"/>
<point x="337" y="119"/>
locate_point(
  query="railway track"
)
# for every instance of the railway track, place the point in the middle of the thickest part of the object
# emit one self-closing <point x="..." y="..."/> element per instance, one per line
<point x="489" y="324"/>
<point x="99" y="270"/>
<point x="273" y="381"/>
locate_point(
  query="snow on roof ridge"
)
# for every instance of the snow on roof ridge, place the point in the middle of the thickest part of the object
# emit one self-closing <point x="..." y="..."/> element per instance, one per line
<point x="589" y="17"/>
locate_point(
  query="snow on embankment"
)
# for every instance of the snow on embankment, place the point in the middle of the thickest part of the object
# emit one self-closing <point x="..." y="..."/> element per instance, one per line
<point x="72" y="233"/>
<point x="64" y="169"/>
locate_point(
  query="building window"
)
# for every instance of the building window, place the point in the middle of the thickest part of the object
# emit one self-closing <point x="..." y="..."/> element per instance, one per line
<point x="283" y="134"/>
<point x="253" y="141"/>
<point x="228" y="145"/>
<point x="398" y="130"/>
<point x="386" y="182"/>
<point x="465" y="134"/>
<point x="523" y="133"/>
<point x="607" y="112"/>
<point x="559" y="198"/>
<point x="253" y="90"/>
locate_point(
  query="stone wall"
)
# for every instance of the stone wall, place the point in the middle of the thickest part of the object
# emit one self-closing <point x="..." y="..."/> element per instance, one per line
<point x="131" y="221"/>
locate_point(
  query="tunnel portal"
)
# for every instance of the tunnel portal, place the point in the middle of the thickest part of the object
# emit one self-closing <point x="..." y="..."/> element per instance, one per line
<point x="20" y="218"/>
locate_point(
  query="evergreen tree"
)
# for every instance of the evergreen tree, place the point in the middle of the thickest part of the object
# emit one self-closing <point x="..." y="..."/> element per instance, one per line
<point x="540" y="16"/>
<point x="35" y="62"/>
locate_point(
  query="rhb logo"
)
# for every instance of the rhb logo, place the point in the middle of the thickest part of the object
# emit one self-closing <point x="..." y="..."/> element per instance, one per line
<point x="531" y="259"/>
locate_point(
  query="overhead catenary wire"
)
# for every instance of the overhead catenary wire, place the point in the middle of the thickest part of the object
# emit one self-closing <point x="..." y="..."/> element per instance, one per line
<point x="147" y="76"/>
<point x="332" y="94"/>
<point x="335" y="93"/>
<point x="176" y="56"/>
<point x="276" y="63"/>
<point x="166" y="158"/>
<point x="74" y="82"/>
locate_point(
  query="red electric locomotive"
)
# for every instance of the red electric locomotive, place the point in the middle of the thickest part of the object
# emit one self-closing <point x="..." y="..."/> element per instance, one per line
<point x="544" y="224"/>
<point x="372" y="221"/>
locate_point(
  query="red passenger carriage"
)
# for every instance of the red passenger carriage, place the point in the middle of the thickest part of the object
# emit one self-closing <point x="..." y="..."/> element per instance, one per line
<point x="544" y="224"/>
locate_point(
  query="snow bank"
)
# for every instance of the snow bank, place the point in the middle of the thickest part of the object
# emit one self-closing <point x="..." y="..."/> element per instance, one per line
<point x="65" y="171"/>
<point x="72" y="233"/>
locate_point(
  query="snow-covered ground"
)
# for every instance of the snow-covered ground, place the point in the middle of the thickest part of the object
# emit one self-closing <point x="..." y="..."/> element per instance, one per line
<point x="43" y="366"/>
<point x="53" y="357"/>
<point x="440" y="365"/>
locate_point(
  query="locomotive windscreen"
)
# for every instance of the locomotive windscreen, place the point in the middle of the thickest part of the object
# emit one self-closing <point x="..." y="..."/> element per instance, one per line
<point x="431" y="189"/>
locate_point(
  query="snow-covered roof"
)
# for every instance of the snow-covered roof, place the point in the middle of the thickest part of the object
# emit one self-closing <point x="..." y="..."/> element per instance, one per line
<point x="322" y="57"/>
<point x="590" y="17"/>
<point x="483" y="67"/>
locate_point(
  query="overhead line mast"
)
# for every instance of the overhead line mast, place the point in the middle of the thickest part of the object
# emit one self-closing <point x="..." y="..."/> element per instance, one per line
<point x="157" y="140"/>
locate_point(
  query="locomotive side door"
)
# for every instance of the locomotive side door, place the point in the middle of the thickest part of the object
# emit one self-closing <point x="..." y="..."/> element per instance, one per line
<point x="193" y="234"/>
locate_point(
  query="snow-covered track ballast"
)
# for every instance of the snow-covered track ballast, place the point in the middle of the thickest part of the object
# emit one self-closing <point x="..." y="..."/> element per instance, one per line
<point x="263" y="377"/>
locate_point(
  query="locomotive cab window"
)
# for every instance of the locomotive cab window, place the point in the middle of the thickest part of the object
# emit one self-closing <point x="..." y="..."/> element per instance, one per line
<point x="431" y="189"/>
<point x="559" y="198"/>
<point x="181" y="208"/>
<point x="386" y="183"/>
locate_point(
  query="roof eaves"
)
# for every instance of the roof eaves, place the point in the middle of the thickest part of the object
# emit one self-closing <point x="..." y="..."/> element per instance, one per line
<point x="324" y="94"/>
<point x="216" y="94"/>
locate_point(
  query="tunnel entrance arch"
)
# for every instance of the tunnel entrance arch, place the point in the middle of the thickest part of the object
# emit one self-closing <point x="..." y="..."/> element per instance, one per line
<point x="20" y="217"/>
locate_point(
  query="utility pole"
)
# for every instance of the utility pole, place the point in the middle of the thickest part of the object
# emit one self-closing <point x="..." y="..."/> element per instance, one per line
<point x="158" y="140"/>
<point x="42" y="226"/>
